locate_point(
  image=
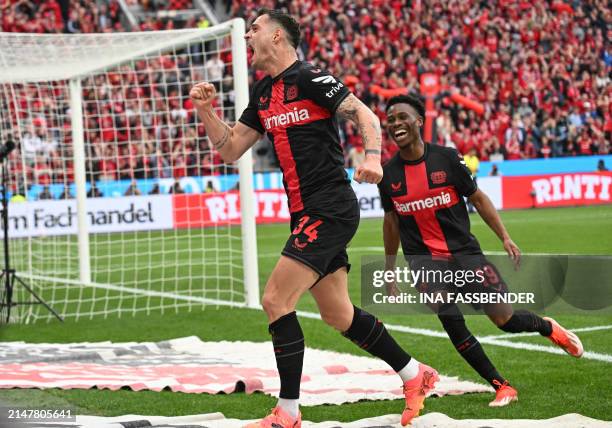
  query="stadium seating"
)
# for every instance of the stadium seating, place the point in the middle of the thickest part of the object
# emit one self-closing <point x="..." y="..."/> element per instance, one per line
<point x="109" y="110"/>
<point x="53" y="16"/>
<point x="541" y="69"/>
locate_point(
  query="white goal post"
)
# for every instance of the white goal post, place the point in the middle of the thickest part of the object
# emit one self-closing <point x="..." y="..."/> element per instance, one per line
<point x="113" y="181"/>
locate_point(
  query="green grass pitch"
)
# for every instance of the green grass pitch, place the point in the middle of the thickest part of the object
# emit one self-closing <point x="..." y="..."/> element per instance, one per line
<point x="549" y="385"/>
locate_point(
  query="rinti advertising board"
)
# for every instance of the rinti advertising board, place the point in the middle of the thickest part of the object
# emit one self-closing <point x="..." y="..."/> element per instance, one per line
<point x="556" y="190"/>
<point x="209" y="209"/>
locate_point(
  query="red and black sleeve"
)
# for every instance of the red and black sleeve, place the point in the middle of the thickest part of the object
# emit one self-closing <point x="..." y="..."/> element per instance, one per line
<point x="462" y="176"/>
<point x="249" y="116"/>
<point x="324" y="89"/>
<point x="385" y="199"/>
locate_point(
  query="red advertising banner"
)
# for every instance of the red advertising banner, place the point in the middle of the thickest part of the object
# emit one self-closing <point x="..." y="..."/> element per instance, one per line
<point x="556" y="190"/>
<point x="210" y="209"/>
<point x="551" y="190"/>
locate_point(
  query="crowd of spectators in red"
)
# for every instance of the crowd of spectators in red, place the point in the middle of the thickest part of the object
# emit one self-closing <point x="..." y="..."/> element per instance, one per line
<point x="141" y="124"/>
<point x="541" y="68"/>
<point x="88" y="16"/>
<point x="138" y="122"/>
<point x="138" y="119"/>
<point x="60" y="16"/>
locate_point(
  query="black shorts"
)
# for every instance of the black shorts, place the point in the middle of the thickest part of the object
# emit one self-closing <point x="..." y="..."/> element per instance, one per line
<point x="319" y="237"/>
<point x="470" y="273"/>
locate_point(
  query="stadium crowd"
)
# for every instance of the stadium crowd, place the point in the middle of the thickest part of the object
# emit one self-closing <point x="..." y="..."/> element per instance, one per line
<point x="138" y="120"/>
<point x="88" y="16"/>
<point x="57" y="16"/>
<point x="541" y="69"/>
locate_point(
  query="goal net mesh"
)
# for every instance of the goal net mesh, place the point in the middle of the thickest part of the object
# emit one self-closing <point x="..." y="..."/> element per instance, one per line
<point x="151" y="173"/>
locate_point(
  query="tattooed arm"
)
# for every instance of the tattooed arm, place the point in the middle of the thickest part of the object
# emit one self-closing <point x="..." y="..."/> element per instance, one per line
<point x="369" y="128"/>
<point x="230" y="142"/>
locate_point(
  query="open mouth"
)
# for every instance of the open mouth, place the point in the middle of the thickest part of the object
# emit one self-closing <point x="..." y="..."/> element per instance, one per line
<point x="400" y="133"/>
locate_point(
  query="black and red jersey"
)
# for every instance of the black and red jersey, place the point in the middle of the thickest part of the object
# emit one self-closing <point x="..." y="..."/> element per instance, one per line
<point x="296" y="109"/>
<point x="427" y="195"/>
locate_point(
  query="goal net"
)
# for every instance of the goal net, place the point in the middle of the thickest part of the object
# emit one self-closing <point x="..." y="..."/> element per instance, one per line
<point x="118" y="203"/>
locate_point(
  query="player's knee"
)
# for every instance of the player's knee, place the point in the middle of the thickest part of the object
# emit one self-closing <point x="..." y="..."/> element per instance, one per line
<point x="267" y="302"/>
<point x="499" y="314"/>
<point x="341" y="321"/>
<point x="273" y="306"/>
<point x="501" y="320"/>
<point x="328" y="318"/>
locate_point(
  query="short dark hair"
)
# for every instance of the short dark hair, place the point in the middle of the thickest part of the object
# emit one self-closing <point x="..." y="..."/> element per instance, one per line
<point x="289" y="24"/>
<point x="413" y="100"/>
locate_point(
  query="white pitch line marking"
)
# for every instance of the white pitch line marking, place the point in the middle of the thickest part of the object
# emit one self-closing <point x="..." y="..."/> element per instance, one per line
<point x="588" y="355"/>
<point x="376" y="251"/>
<point x="574" y="330"/>
<point x="496" y="342"/>
<point x="399" y="328"/>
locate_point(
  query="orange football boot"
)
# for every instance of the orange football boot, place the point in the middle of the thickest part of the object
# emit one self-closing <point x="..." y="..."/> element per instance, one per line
<point x="278" y="419"/>
<point x="565" y="339"/>
<point x="415" y="391"/>
<point x="504" y="395"/>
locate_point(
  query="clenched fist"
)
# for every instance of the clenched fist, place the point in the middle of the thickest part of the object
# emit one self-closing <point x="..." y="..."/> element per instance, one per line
<point x="203" y="94"/>
<point x="369" y="172"/>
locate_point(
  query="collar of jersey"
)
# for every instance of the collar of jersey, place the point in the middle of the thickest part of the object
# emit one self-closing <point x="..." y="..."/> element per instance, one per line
<point x="282" y="73"/>
<point x="416" y="161"/>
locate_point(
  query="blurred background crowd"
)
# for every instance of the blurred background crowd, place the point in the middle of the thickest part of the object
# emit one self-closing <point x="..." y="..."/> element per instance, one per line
<point x="540" y="68"/>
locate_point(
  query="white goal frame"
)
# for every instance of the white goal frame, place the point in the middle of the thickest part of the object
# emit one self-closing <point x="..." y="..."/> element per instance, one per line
<point x="16" y="70"/>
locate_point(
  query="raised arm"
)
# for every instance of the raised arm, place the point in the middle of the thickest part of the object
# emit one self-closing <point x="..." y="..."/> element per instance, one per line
<point x="230" y="142"/>
<point x="367" y="122"/>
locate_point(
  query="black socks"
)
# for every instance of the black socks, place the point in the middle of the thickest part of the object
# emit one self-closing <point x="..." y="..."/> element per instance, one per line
<point x="523" y="320"/>
<point x="468" y="346"/>
<point x="288" y="341"/>
<point x="371" y="335"/>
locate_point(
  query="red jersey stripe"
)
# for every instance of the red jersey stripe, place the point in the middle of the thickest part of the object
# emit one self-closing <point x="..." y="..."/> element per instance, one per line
<point x="283" y="150"/>
<point x="417" y="187"/>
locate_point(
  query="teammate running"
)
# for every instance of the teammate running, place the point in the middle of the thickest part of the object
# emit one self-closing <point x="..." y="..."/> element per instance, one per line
<point x="295" y="105"/>
<point x="422" y="194"/>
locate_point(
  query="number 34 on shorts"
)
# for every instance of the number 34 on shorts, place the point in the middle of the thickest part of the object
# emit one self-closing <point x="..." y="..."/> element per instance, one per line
<point x="319" y="240"/>
<point x="307" y="230"/>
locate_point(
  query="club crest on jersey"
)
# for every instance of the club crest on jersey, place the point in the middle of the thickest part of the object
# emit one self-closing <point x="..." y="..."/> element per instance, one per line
<point x="396" y="187"/>
<point x="291" y="93"/>
<point x="438" y="177"/>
